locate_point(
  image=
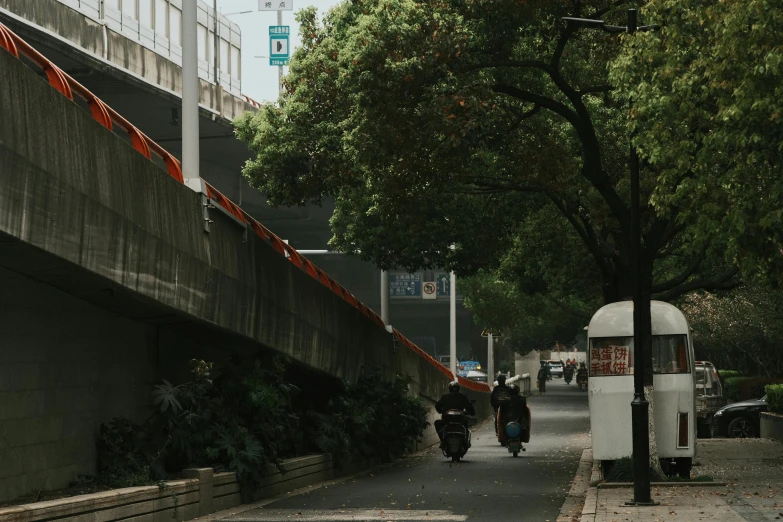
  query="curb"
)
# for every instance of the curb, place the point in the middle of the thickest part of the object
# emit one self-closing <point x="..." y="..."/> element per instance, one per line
<point x="591" y="498"/>
<point x="570" y="511"/>
<point x="692" y="484"/>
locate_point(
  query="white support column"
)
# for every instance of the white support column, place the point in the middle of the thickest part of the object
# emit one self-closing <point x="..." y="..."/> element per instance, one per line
<point x="453" y="324"/>
<point x="190" y="88"/>
<point x="490" y="360"/>
<point x="384" y="294"/>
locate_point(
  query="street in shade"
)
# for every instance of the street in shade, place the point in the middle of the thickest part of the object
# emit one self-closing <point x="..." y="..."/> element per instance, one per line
<point x="488" y="485"/>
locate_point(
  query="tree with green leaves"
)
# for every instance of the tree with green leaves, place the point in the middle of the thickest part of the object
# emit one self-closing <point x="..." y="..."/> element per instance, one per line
<point x="448" y="123"/>
<point x="452" y="122"/>
<point x="708" y="101"/>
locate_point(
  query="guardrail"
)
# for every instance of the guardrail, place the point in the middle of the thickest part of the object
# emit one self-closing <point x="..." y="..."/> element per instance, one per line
<point x="523" y="381"/>
<point x="108" y="117"/>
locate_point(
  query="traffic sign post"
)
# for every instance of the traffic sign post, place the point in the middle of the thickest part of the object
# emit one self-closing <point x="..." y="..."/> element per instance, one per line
<point x="428" y="290"/>
<point x="278" y="45"/>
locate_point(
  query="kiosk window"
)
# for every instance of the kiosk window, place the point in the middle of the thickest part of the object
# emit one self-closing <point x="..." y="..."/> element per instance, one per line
<point x="670" y="354"/>
<point x="614" y="355"/>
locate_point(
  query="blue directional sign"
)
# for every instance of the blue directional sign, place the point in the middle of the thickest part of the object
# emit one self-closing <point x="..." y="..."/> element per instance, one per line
<point x="404" y="285"/>
<point x="278" y="44"/>
<point x="444" y="284"/>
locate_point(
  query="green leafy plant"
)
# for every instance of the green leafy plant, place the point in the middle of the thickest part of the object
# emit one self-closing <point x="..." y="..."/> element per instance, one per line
<point x="372" y="418"/>
<point x="744" y="388"/>
<point x="123" y="454"/>
<point x="726" y="374"/>
<point x="774" y="397"/>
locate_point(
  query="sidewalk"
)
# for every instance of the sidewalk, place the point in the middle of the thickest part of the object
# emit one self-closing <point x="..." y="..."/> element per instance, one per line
<point x="751" y="468"/>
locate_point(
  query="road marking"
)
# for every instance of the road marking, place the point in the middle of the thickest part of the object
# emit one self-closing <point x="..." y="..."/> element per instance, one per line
<point x="343" y="515"/>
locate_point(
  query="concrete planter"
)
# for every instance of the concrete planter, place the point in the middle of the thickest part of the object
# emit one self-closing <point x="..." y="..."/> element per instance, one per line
<point x="771" y="425"/>
<point x="201" y="493"/>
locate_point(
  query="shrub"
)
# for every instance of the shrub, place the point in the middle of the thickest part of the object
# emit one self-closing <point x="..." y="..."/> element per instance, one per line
<point x="731" y="387"/>
<point x="744" y="388"/>
<point x="726" y="374"/>
<point x="123" y="454"/>
<point x="373" y="417"/>
<point x="775" y="397"/>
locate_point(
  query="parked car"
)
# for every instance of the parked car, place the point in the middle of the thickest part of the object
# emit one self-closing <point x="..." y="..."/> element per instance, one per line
<point x="709" y="396"/>
<point x="555" y="368"/>
<point x="477" y="376"/>
<point x="739" y="419"/>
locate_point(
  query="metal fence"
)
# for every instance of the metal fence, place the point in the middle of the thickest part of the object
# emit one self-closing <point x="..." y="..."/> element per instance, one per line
<point x="157" y="25"/>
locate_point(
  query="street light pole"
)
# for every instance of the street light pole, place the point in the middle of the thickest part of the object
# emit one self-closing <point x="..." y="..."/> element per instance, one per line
<point x="642" y="327"/>
<point x="453" y="324"/>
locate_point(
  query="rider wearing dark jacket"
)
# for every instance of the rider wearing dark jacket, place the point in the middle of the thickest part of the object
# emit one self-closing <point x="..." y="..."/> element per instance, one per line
<point x="454" y="400"/>
<point x="515" y="409"/>
<point x="500" y="394"/>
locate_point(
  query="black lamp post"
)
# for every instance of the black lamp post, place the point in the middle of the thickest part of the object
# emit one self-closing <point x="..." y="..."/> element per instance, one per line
<point x="642" y="334"/>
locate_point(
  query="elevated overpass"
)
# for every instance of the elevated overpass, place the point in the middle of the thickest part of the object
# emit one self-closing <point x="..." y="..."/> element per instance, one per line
<point x="112" y="273"/>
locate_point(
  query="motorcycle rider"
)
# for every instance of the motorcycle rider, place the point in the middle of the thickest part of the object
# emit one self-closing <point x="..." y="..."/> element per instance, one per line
<point x="568" y="372"/>
<point x="581" y="374"/>
<point x="500" y="393"/>
<point x="514" y="409"/>
<point x="543" y="376"/>
<point x="454" y="400"/>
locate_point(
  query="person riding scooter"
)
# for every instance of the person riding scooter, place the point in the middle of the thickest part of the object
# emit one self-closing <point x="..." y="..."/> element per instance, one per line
<point x="454" y="400"/>
<point x="581" y="376"/>
<point x="513" y="410"/>
<point x="568" y="373"/>
<point x="500" y="394"/>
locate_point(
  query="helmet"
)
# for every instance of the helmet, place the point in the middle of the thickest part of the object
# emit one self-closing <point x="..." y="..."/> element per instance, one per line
<point x="501" y="380"/>
<point x="514" y="389"/>
<point x="581" y="365"/>
<point x="454" y="386"/>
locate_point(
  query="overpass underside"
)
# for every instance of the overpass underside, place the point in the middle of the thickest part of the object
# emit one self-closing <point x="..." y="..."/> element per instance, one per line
<point x="109" y="281"/>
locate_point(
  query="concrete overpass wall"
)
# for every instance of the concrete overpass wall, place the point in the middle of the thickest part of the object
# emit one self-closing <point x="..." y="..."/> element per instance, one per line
<point x="98" y="248"/>
<point x="103" y="48"/>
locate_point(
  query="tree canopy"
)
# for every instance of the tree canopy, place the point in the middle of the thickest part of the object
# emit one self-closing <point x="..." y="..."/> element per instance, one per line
<point x="708" y="100"/>
<point x="477" y="124"/>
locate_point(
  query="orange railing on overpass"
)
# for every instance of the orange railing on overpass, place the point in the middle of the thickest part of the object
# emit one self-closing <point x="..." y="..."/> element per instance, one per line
<point x="108" y="117"/>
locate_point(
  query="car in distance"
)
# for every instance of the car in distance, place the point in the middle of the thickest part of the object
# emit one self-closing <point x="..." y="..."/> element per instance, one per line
<point x="477" y="376"/>
<point x="555" y="368"/>
<point x="739" y="419"/>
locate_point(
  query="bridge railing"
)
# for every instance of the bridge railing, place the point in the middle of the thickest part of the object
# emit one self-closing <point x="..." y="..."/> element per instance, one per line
<point x="110" y="119"/>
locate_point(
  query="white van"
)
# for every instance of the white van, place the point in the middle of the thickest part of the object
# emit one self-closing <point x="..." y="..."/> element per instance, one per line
<point x="611" y="365"/>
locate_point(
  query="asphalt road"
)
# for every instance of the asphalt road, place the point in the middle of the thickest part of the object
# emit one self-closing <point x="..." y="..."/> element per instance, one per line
<point x="489" y="484"/>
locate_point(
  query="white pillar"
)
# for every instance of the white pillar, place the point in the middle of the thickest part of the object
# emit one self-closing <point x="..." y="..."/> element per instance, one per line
<point x="490" y="360"/>
<point x="280" y="67"/>
<point x="190" y="88"/>
<point x="384" y="294"/>
<point x="453" y="324"/>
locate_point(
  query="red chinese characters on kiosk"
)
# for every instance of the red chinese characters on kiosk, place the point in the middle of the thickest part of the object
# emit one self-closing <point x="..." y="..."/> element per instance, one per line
<point x="607" y="357"/>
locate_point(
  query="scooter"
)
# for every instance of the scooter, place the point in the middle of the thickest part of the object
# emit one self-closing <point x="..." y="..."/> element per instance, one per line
<point x="567" y="376"/>
<point x="515" y="432"/>
<point x="582" y="382"/>
<point x="455" y="435"/>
